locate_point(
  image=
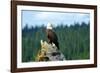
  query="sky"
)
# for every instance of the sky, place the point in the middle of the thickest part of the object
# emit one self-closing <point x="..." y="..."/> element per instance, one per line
<point x="38" y="18"/>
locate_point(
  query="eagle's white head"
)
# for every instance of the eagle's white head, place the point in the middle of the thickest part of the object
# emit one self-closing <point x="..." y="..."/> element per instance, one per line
<point x="49" y="26"/>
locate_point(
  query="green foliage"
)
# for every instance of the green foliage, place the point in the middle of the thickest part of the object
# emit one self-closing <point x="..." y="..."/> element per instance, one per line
<point x="73" y="41"/>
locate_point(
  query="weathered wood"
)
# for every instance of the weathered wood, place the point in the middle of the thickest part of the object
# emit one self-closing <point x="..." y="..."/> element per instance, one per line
<point x="49" y="52"/>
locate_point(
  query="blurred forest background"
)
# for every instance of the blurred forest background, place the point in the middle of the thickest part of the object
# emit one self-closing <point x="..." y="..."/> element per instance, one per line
<point x="74" y="41"/>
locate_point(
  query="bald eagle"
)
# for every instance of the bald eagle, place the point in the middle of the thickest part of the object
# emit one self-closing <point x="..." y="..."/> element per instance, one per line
<point x="52" y="37"/>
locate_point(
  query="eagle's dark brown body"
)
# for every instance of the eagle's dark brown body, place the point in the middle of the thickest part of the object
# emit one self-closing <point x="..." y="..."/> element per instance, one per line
<point x="52" y="37"/>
